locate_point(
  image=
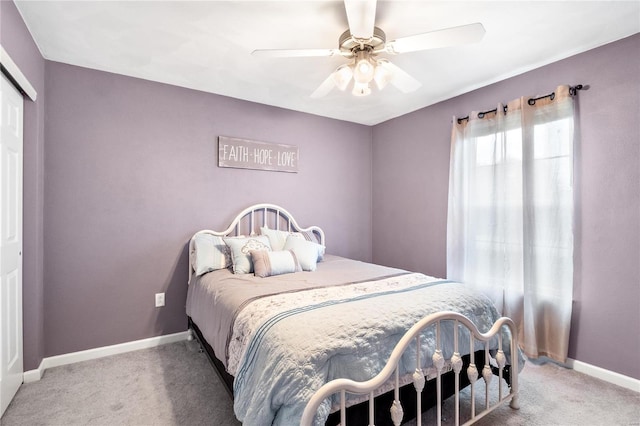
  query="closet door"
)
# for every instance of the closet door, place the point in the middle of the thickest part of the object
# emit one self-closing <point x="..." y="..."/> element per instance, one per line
<point x="11" y="367"/>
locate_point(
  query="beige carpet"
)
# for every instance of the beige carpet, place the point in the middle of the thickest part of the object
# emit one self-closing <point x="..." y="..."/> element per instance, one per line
<point x="175" y="385"/>
<point x="169" y="385"/>
<point x="553" y="395"/>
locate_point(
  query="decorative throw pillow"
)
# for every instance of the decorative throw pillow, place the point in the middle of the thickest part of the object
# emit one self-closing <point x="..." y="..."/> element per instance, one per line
<point x="268" y="263"/>
<point x="241" y="251"/>
<point x="278" y="238"/>
<point x="210" y="253"/>
<point x="310" y="236"/>
<point x="306" y="252"/>
<point x="313" y="237"/>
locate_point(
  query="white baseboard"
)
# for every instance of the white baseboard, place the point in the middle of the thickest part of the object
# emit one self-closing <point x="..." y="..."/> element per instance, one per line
<point x="606" y="375"/>
<point x="58" y="360"/>
<point x="33" y="375"/>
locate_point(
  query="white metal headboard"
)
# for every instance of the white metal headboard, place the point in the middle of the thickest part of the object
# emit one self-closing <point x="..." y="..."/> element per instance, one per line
<point x="251" y="219"/>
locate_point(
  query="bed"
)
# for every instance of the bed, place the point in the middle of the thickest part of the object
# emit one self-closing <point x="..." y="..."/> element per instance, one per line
<point x="282" y="321"/>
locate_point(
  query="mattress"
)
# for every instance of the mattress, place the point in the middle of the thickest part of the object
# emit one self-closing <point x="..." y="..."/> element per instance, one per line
<point x="215" y="299"/>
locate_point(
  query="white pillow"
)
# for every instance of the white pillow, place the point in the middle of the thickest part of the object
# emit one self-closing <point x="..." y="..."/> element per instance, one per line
<point x="307" y="252"/>
<point x="268" y="263"/>
<point x="241" y="251"/>
<point x="311" y="236"/>
<point x="210" y="253"/>
<point x="278" y="238"/>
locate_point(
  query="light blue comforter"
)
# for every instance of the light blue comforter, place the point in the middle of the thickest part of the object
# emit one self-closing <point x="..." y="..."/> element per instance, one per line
<point x="296" y="351"/>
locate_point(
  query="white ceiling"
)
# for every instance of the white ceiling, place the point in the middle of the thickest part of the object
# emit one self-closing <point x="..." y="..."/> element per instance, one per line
<point x="207" y="45"/>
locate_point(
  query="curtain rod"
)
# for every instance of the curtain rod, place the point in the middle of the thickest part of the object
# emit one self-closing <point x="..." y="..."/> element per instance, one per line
<point x="573" y="90"/>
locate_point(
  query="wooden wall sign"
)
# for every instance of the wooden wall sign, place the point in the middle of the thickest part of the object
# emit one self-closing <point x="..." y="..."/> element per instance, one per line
<point x="247" y="154"/>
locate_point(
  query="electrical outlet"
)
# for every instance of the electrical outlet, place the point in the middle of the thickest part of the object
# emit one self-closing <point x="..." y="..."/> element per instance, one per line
<point x="159" y="299"/>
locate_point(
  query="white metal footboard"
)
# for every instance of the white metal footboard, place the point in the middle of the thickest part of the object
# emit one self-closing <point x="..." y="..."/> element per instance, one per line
<point x="344" y="386"/>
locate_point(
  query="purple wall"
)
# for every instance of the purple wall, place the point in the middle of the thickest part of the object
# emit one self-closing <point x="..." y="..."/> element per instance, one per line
<point x="410" y="181"/>
<point x="132" y="173"/>
<point x="17" y="41"/>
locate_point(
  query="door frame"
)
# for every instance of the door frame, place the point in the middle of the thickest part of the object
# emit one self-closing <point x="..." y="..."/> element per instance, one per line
<point x="11" y="70"/>
<point x="16" y="78"/>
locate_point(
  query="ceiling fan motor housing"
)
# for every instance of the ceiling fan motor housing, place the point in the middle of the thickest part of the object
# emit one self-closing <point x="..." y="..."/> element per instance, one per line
<point x="350" y="45"/>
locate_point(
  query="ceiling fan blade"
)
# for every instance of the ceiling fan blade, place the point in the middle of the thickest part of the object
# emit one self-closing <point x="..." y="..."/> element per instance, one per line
<point x="361" y="15"/>
<point x="324" y="88"/>
<point x="401" y="79"/>
<point x="294" y="53"/>
<point x="440" y="38"/>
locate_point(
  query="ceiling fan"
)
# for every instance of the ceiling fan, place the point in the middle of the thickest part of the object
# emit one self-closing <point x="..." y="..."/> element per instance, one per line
<point x="362" y="44"/>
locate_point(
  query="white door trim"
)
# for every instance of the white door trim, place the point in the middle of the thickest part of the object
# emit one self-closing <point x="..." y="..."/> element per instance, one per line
<point x="17" y="79"/>
<point x="11" y="322"/>
<point x="13" y="73"/>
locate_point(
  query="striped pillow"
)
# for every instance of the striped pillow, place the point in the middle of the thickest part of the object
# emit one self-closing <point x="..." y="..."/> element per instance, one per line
<point x="268" y="263"/>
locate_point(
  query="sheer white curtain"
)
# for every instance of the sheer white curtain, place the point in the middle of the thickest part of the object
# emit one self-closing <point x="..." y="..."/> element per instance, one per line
<point x="510" y="218"/>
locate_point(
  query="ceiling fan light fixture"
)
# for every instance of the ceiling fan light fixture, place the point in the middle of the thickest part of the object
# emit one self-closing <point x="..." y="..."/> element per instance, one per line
<point x="342" y="76"/>
<point x="364" y="68"/>
<point x="361" y="44"/>
<point x="382" y="75"/>
<point x="361" y="89"/>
